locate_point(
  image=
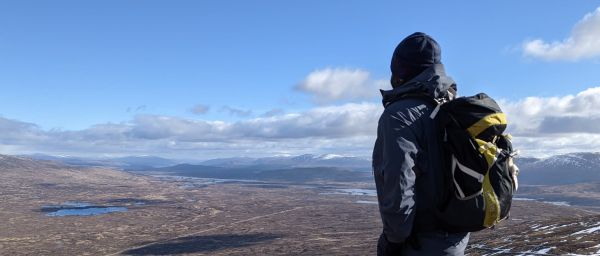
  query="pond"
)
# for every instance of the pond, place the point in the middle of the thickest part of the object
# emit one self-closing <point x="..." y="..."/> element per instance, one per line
<point x="366" y="202"/>
<point x="352" y="192"/>
<point x="79" y="209"/>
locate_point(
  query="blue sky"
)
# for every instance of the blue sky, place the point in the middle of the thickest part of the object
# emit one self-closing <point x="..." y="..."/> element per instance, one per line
<point x="75" y="71"/>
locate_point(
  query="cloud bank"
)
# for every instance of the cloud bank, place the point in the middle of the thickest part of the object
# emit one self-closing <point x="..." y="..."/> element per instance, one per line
<point x="583" y="43"/>
<point x="550" y="125"/>
<point x="331" y="85"/>
<point x="325" y="129"/>
<point x="540" y="125"/>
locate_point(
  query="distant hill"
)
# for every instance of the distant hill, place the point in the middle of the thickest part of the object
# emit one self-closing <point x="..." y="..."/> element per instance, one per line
<point x="25" y="163"/>
<point x="555" y="170"/>
<point x="128" y="162"/>
<point x="303" y="168"/>
<point x="306" y="160"/>
<point x="291" y="174"/>
<point x="274" y="162"/>
<point x="561" y="169"/>
<point x="17" y="171"/>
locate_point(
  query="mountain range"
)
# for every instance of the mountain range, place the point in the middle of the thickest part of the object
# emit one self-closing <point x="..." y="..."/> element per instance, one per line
<point x="555" y="170"/>
<point x="128" y="162"/>
<point x="306" y="160"/>
<point x="560" y="169"/>
<point x="274" y="162"/>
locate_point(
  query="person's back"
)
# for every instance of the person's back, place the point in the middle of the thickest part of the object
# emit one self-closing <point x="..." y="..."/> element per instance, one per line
<point x="407" y="161"/>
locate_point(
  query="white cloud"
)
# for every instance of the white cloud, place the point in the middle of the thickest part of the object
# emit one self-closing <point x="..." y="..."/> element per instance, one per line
<point x="348" y="120"/>
<point x="540" y="125"/>
<point x="554" y="144"/>
<point x="347" y="128"/>
<point x="583" y="43"/>
<point x="551" y="125"/>
<point x="341" y="129"/>
<point x="330" y="85"/>
<point x="536" y="115"/>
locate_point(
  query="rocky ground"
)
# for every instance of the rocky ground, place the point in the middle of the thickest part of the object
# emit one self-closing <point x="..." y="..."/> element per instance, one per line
<point x="541" y="229"/>
<point x="168" y="216"/>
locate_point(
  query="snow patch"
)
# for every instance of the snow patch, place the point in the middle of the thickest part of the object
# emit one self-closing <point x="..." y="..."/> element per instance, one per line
<point x="522" y="199"/>
<point x="545" y="250"/>
<point x="589" y="230"/>
<point x="329" y="156"/>
<point x="558" y="203"/>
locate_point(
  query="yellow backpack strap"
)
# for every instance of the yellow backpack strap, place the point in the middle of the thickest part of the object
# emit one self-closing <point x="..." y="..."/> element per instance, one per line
<point x="487" y="122"/>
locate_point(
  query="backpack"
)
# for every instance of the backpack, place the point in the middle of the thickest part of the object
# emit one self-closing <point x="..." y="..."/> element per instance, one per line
<point x="480" y="174"/>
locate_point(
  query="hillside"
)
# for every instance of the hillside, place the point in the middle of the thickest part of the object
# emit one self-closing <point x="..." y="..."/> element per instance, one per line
<point x="166" y="217"/>
<point x="541" y="229"/>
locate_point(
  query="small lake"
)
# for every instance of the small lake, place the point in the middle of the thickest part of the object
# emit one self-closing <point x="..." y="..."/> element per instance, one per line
<point x="366" y="202"/>
<point x="541" y="199"/>
<point x="79" y="209"/>
<point x="352" y="192"/>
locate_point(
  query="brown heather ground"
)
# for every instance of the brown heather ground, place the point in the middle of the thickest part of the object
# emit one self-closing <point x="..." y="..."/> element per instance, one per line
<point x="232" y="219"/>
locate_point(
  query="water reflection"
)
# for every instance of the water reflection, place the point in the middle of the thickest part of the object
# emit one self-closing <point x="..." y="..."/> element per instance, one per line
<point x="79" y="209"/>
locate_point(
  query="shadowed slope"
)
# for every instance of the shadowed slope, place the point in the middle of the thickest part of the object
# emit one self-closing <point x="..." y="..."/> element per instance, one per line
<point x="199" y="244"/>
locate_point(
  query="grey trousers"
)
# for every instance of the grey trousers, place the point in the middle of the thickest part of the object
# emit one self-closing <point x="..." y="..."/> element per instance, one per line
<point x="433" y="243"/>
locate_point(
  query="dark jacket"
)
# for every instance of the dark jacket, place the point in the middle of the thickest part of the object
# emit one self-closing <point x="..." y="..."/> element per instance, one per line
<point x="407" y="159"/>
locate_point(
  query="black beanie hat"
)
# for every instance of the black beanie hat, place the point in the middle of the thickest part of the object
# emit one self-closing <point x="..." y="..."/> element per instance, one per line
<point x="415" y="53"/>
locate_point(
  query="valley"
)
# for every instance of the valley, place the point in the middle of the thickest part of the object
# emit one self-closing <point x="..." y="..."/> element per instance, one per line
<point x="175" y="215"/>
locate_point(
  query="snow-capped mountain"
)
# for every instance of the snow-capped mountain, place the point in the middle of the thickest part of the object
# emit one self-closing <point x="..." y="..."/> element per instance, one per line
<point x="571" y="160"/>
<point x="560" y="169"/>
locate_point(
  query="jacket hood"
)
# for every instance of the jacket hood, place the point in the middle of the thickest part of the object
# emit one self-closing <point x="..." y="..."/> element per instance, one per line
<point x="432" y="82"/>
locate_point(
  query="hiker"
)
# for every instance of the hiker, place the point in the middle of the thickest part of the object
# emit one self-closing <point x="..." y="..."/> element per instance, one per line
<point x="407" y="160"/>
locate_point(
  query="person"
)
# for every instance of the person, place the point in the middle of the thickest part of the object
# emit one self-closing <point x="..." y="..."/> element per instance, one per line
<point x="407" y="158"/>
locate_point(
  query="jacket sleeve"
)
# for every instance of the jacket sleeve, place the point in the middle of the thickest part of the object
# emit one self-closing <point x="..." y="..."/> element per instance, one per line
<point x="395" y="179"/>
